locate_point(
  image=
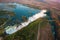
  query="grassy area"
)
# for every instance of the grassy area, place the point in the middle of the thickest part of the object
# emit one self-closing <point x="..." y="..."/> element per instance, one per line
<point x="27" y="33"/>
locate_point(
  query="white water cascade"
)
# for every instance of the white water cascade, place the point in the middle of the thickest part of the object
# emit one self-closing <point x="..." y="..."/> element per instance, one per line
<point x="13" y="29"/>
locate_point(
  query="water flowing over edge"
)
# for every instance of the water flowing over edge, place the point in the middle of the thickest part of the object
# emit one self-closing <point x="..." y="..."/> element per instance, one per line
<point x="13" y="29"/>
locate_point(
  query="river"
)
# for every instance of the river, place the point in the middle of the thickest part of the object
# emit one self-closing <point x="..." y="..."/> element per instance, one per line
<point x="20" y="10"/>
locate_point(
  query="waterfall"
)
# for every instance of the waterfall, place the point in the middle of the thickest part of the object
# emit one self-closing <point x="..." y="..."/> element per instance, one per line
<point x="13" y="29"/>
